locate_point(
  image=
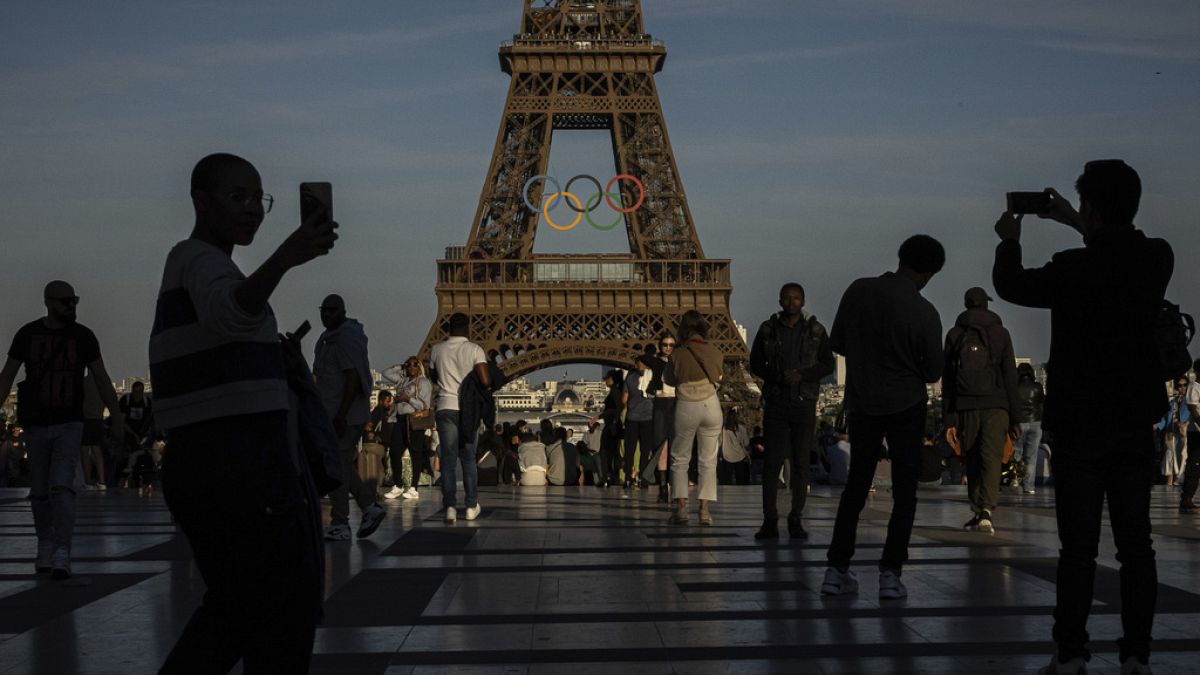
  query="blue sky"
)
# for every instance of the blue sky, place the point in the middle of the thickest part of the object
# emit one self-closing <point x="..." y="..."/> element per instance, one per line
<point x="812" y="138"/>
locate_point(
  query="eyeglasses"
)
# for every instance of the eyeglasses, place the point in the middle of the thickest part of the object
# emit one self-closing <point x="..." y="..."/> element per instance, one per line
<point x="71" y="301"/>
<point x="243" y="198"/>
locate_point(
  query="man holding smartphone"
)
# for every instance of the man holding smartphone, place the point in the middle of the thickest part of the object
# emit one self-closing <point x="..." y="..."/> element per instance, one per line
<point x="1104" y="394"/>
<point x="230" y="479"/>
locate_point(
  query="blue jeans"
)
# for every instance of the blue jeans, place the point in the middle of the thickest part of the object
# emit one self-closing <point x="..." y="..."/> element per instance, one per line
<point x="1027" y="448"/>
<point x="455" y="447"/>
<point x="53" y="456"/>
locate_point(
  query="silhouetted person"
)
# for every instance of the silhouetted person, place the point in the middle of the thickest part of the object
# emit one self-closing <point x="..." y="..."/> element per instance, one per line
<point x="980" y="401"/>
<point x="791" y="354"/>
<point x="1191" y="469"/>
<point x="1033" y="400"/>
<point x="451" y="360"/>
<point x="891" y="337"/>
<point x="231" y="476"/>
<point x="56" y="350"/>
<point x="1103" y="395"/>
<point x="343" y="376"/>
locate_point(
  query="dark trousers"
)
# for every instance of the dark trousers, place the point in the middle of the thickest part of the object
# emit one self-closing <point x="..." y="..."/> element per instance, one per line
<point x="417" y="443"/>
<point x="253" y="522"/>
<point x="1191" y="471"/>
<point x="610" y="456"/>
<point x="733" y="473"/>
<point x="638" y="434"/>
<point x="789" y="431"/>
<point x="1117" y="464"/>
<point x="904" y="432"/>
<point x="981" y="433"/>
<point x="354" y="486"/>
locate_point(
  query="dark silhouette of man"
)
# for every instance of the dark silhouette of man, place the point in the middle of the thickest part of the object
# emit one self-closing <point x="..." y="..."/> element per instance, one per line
<point x="1104" y="393"/>
<point x="56" y="350"/>
<point x="232" y="477"/>
<point x="980" y="401"/>
<point x="791" y="354"/>
<point x="343" y="376"/>
<point x="891" y="337"/>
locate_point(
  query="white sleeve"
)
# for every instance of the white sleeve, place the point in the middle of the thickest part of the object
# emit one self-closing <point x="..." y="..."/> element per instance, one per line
<point x="210" y="280"/>
<point x="478" y="355"/>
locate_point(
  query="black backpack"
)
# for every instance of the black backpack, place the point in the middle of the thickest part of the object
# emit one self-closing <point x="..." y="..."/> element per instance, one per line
<point x="1173" y="331"/>
<point x="975" y="369"/>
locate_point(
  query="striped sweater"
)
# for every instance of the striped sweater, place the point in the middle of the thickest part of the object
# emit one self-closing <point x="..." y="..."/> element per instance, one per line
<point x="208" y="357"/>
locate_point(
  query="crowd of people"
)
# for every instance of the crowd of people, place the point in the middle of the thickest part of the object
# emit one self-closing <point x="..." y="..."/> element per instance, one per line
<point x="254" y="437"/>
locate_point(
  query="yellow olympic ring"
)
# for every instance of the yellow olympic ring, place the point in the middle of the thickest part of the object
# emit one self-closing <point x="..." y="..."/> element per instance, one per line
<point x="578" y="213"/>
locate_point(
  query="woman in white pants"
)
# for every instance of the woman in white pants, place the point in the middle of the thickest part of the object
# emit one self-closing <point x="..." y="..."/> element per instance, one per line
<point x="695" y="371"/>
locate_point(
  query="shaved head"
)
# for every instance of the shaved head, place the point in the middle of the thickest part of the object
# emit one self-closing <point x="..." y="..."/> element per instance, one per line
<point x="58" y="290"/>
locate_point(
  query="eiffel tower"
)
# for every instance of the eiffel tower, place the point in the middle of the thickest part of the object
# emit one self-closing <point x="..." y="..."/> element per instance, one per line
<point x="582" y="64"/>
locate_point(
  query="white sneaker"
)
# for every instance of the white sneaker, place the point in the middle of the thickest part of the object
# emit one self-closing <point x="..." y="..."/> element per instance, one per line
<point x="890" y="586"/>
<point x="60" y="569"/>
<point x="338" y="532"/>
<point x="395" y="492"/>
<point x="838" y="583"/>
<point x="411" y="493"/>
<point x="1076" y="666"/>
<point x="101" y="487"/>
<point x="1131" y="666"/>
<point x="474" y="511"/>
<point x="451" y="514"/>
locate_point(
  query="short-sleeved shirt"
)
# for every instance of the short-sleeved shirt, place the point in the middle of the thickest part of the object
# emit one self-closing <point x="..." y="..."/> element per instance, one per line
<point x="138" y="414"/>
<point x="639" y="408"/>
<point x="1192" y="398"/>
<point x="452" y="360"/>
<point x="55" y="360"/>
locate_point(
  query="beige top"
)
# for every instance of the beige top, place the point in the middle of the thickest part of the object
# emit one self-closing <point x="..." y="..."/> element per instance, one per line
<point x="692" y="369"/>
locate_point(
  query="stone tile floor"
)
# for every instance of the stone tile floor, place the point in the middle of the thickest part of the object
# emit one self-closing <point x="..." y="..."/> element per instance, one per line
<point x="582" y="580"/>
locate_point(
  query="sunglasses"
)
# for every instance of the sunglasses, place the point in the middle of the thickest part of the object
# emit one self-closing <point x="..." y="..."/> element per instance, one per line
<point x="71" y="301"/>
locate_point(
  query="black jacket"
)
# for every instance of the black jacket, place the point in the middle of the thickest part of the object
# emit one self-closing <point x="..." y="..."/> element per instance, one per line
<point x="1103" y="300"/>
<point x="1033" y="399"/>
<point x="815" y="360"/>
<point x="476" y="404"/>
<point x="1004" y="368"/>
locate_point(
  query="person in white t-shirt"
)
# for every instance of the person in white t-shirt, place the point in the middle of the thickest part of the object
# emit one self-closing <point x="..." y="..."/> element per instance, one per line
<point x="450" y="362"/>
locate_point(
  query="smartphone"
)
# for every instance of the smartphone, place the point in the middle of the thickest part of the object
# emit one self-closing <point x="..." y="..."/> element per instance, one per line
<point x="316" y="198"/>
<point x="300" y="332"/>
<point x="1029" y="202"/>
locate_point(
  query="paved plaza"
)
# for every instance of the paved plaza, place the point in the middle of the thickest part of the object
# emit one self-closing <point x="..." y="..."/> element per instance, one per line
<point x="582" y="580"/>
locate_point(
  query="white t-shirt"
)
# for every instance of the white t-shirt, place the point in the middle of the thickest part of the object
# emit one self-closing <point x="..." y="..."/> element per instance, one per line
<point x="452" y="360"/>
<point x="1192" y="398"/>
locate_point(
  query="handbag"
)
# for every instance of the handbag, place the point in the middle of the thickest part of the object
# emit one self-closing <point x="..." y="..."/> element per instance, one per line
<point x="420" y="420"/>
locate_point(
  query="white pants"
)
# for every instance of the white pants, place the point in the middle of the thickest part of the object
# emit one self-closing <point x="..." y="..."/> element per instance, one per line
<point x="702" y="420"/>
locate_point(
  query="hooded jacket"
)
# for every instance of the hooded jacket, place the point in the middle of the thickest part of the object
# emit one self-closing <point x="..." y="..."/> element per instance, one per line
<point x="815" y="359"/>
<point x="338" y="350"/>
<point x="1005" y="395"/>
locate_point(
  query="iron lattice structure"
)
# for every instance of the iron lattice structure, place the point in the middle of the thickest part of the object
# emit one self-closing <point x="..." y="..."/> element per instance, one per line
<point x="582" y="64"/>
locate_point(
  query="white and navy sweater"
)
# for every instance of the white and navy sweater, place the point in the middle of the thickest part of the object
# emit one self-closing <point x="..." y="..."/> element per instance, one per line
<point x="208" y="357"/>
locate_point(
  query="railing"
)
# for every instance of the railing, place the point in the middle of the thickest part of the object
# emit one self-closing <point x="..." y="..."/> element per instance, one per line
<point x="556" y="271"/>
<point x="582" y="42"/>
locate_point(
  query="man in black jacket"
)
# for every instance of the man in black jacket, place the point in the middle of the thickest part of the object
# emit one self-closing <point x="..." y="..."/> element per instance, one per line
<point x="1104" y="393"/>
<point x="979" y="400"/>
<point x="791" y="354"/>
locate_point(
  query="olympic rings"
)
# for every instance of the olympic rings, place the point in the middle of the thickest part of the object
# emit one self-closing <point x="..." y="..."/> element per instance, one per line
<point x="586" y="207"/>
<point x="578" y="212"/>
